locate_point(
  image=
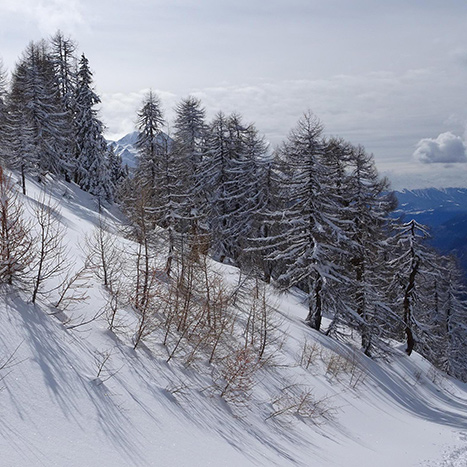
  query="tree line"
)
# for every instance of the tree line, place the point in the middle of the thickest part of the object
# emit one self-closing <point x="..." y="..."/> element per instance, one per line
<point x="312" y="213"/>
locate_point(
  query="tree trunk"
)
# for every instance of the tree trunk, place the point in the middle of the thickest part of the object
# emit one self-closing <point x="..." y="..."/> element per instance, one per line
<point x="408" y="308"/>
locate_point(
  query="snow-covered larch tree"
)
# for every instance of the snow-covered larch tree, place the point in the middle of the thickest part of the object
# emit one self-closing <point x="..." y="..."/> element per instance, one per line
<point x="415" y="272"/>
<point x="3" y="113"/>
<point x="150" y="121"/>
<point x="309" y="227"/>
<point x="229" y="182"/>
<point x="454" y="310"/>
<point x="157" y="172"/>
<point x="92" y="172"/>
<point x="64" y="62"/>
<point x="189" y="146"/>
<point x="36" y="113"/>
<point x="369" y="204"/>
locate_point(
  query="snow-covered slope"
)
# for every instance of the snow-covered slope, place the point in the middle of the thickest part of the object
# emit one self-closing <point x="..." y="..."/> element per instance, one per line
<point x="317" y="402"/>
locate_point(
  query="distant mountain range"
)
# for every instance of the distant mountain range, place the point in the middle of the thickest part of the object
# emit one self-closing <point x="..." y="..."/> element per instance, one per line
<point x="444" y="211"/>
<point x="125" y="147"/>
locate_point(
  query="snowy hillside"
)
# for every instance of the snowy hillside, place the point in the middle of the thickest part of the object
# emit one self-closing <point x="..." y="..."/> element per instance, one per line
<point x="75" y="393"/>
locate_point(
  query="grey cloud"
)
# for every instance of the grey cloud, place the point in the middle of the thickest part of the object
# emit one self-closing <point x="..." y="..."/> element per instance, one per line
<point x="47" y="15"/>
<point x="368" y="109"/>
<point x="446" y="148"/>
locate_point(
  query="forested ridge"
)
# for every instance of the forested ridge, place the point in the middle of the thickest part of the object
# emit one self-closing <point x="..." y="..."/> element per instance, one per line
<point x="312" y="213"/>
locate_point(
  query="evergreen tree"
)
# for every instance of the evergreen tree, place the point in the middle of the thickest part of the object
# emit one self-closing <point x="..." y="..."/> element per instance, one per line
<point x="417" y="284"/>
<point x="336" y="160"/>
<point x="264" y="218"/>
<point x="229" y="181"/>
<point x="117" y="173"/>
<point x="64" y="62"/>
<point x="3" y="113"/>
<point x="309" y="227"/>
<point x="453" y="304"/>
<point x="189" y="147"/>
<point x="369" y="203"/>
<point x="167" y="209"/>
<point x="158" y="172"/>
<point x="212" y="181"/>
<point x="249" y="167"/>
<point x="149" y="145"/>
<point x="92" y="172"/>
<point x="37" y="115"/>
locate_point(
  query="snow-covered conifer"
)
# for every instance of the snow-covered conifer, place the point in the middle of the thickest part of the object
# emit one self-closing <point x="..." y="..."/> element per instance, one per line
<point x="157" y="172"/>
<point x="64" y="62"/>
<point x="229" y="181"/>
<point x="92" y="172"/>
<point x="415" y="277"/>
<point x="265" y="223"/>
<point x="454" y="311"/>
<point x="36" y="112"/>
<point x="369" y="203"/>
<point x="150" y="150"/>
<point x="309" y="227"/>
<point x="3" y="113"/>
<point x="189" y="146"/>
<point x="116" y="171"/>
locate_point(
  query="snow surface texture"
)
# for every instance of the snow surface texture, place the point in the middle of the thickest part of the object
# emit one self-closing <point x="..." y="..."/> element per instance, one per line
<point x="142" y="411"/>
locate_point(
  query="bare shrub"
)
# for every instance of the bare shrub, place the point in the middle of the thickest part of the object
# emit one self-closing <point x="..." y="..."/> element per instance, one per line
<point x="103" y="255"/>
<point x="294" y="401"/>
<point x="261" y="324"/>
<point x="345" y="368"/>
<point x="50" y="257"/>
<point x="146" y="307"/>
<point x="139" y="284"/>
<point x="103" y="368"/>
<point x="73" y="288"/>
<point x="180" y="389"/>
<point x="112" y="306"/>
<point x="309" y="354"/>
<point x="9" y="362"/>
<point x="198" y="317"/>
<point x="16" y="253"/>
<point x="236" y="375"/>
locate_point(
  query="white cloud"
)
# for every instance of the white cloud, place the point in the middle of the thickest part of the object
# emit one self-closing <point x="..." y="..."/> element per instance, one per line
<point x="446" y="148"/>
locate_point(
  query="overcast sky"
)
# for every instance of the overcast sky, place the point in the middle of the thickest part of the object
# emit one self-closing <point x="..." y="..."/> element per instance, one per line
<point x="391" y="75"/>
